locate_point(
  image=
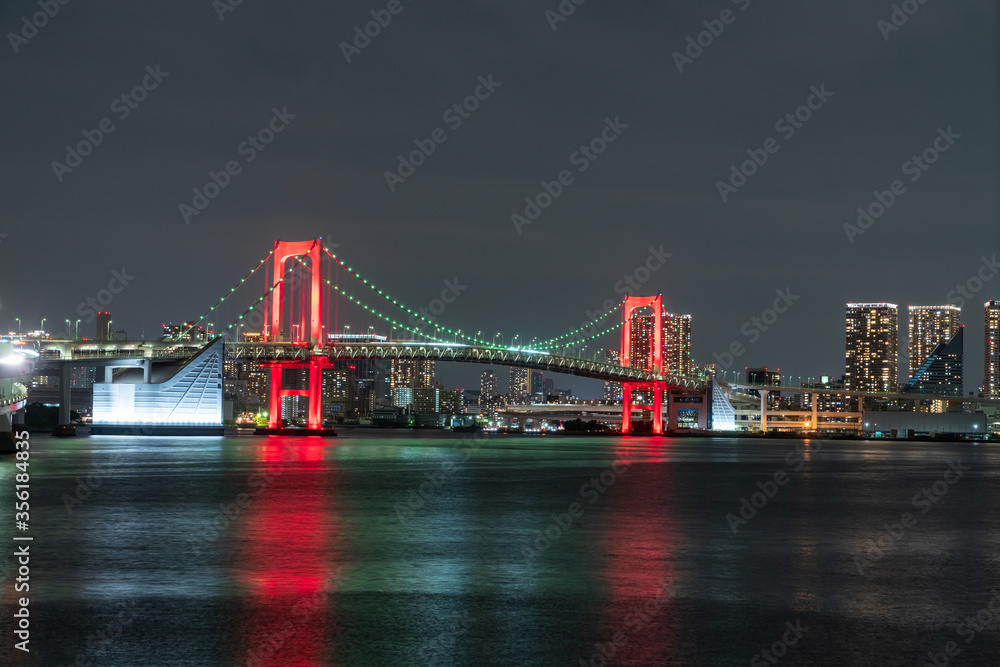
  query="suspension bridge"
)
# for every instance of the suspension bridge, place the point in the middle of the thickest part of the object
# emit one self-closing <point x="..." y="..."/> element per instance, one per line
<point x="294" y="322"/>
<point x="309" y="295"/>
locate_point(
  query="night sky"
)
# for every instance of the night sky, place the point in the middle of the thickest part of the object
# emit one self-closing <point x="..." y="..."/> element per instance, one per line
<point x="656" y="185"/>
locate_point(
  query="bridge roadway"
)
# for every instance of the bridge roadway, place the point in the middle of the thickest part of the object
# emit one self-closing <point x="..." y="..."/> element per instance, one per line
<point x="113" y="353"/>
<point x="95" y="351"/>
<point x="848" y="392"/>
<point x="472" y="354"/>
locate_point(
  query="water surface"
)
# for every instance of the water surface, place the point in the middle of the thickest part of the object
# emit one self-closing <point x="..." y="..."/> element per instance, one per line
<point x="410" y="548"/>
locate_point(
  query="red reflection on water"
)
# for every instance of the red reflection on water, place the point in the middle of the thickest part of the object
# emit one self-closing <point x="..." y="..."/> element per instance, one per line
<point x="288" y="558"/>
<point x="639" y="538"/>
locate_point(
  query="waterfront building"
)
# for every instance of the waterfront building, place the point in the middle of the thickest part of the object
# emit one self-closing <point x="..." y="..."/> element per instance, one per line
<point x="411" y="373"/>
<point x="612" y="390"/>
<point x="677" y="344"/>
<point x="929" y="326"/>
<point x="941" y="372"/>
<point x="991" y="376"/>
<point x="872" y="336"/>
<point x="520" y="385"/>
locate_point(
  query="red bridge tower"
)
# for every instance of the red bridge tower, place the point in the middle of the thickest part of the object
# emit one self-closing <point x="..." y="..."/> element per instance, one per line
<point x="309" y="335"/>
<point x="654" y="364"/>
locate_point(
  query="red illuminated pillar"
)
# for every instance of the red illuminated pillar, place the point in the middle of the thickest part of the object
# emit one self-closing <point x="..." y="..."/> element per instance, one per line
<point x="277" y="305"/>
<point x="316" y="365"/>
<point x="316" y="313"/>
<point x="658" y="408"/>
<point x="274" y="404"/>
<point x="626" y="407"/>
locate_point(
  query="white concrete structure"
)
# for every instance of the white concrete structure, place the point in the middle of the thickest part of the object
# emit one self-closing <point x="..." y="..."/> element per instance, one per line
<point x="189" y="402"/>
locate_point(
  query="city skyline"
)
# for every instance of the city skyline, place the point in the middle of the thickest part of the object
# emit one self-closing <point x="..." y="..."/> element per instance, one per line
<point x="929" y="323"/>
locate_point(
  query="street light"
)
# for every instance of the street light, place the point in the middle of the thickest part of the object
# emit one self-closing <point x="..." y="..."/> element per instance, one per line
<point x="109" y="330"/>
<point x="18" y="319"/>
<point x="77" y="335"/>
<point x="43" y="323"/>
<point x="495" y="339"/>
<point x="67" y="328"/>
<point x="513" y="340"/>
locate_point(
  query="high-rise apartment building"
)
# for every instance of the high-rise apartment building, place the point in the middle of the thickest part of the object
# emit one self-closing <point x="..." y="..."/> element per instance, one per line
<point x="411" y="373"/>
<point x="520" y="385"/>
<point x="942" y="370"/>
<point x="641" y="343"/>
<point x="612" y="390"/>
<point x="488" y="386"/>
<point x="677" y="344"/>
<point x="929" y="327"/>
<point x="872" y="338"/>
<point x="991" y="376"/>
<point x="402" y="373"/>
<point x="489" y="392"/>
<point x="337" y="387"/>
<point x="537" y="387"/>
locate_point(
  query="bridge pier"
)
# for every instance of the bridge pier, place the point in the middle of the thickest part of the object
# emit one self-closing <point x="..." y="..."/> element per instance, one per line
<point x="65" y="428"/>
<point x="815" y="415"/>
<point x="314" y="393"/>
<point x="626" y="408"/>
<point x="657" y="387"/>
<point x="763" y="409"/>
<point x="658" y="408"/>
<point x="274" y="396"/>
